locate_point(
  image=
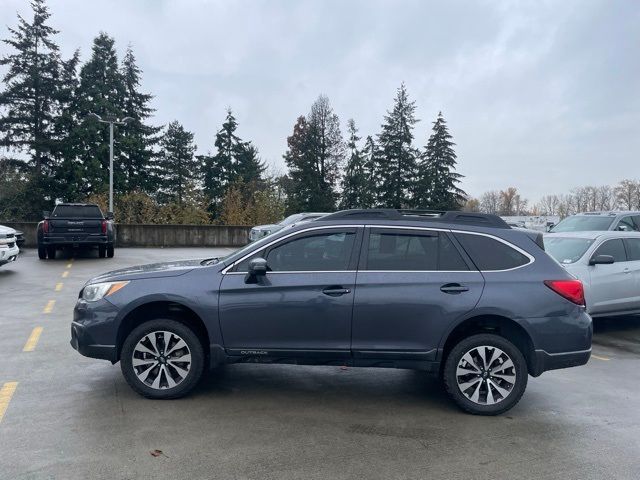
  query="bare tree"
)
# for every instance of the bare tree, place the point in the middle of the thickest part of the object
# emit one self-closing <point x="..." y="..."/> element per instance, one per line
<point x="471" y="205"/>
<point x="490" y="202"/>
<point x="606" y="198"/>
<point x="548" y="205"/>
<point x="627" y="194"/>
<point x="508" y="201"/>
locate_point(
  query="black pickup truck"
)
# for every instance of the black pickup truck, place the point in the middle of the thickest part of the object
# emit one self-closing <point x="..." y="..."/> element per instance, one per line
<point x="76" y="225"/>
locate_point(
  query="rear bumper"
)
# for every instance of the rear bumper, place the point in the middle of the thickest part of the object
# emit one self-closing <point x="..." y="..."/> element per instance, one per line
<point x="76" y="239"/>
<point x="544" y="361"/>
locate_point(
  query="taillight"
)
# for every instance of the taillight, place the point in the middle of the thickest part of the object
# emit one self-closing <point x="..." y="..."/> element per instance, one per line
<point x="45" y="226"/>
<point x="104" y="227"/>
<point x="572" y="290"/>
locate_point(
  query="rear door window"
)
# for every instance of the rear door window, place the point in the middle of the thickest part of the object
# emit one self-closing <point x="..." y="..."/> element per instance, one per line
<point x="398" y="250"/>
<point x="615" y="248"/>
<point x="491" y="254"/>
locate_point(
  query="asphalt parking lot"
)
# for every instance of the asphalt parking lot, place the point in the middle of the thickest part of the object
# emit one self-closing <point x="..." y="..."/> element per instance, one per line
<point x="67" y="416"/>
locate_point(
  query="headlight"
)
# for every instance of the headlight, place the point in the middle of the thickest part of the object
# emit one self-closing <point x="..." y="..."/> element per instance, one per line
<point x="96" y="291"/>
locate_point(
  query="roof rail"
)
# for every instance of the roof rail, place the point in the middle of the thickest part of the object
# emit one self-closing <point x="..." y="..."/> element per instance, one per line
<point x="443" y="216"/>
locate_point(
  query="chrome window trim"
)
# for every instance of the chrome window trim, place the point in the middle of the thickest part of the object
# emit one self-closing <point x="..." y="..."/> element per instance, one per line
<point x="531" y="258"/>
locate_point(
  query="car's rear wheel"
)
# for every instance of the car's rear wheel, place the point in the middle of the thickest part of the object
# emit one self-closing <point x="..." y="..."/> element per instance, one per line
<point x="485" y="374"/>
<point x="42" y="252"/>
<point x="110" y="250"/>
<point x="51" y="252"/>
<point x="162" y="359"/>
<point x="102" y="251"/>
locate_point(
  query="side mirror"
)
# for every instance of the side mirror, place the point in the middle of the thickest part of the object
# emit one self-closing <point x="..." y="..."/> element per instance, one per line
<point x="46" y="214"/>
<point x="110" y="216"/>
<point x="257" y="267"/>
<point x="602" y="260"/>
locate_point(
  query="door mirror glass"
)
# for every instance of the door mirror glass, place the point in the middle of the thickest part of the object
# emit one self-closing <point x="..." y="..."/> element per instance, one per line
<point x="257" y="267"/>
<point x="602" y="260"/>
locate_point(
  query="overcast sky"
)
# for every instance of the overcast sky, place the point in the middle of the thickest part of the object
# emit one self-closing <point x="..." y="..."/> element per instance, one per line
<point x="543" y="96"/>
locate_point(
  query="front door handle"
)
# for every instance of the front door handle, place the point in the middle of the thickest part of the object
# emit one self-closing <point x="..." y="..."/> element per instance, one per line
<point x="626" y="270"/>
<point x="336" y="291"/>
<point x="453" y="288"/>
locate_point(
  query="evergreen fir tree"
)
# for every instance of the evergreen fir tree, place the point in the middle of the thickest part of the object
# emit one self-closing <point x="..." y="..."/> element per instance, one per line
<point x="369" y="156"/>
<point x="176" y="165"/>
<point x="138" y="138"/>
<point x="68" y="172"/>
<point x="301" y="182"/>
<point x="355" y="183"/>
<point x="28" y="102"/>
<point x="235" y="161"/>
<point x="396" y="162"/>
<point x="437" y="187"/>
<point x="101" y="91"/>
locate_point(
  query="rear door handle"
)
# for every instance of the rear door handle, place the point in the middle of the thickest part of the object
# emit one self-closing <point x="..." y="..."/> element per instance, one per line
<point x="336" y="291"/>
<point x="453" y="288"/>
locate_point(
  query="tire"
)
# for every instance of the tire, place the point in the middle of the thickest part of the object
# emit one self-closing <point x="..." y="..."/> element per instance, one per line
<point x="102" y="251"/>
<point x="51" y="252"/>
<point x="110" y="250"/>
<point x="42" y="252"/>
<point x="157" y="386"/>
<point x="485" y="393"/>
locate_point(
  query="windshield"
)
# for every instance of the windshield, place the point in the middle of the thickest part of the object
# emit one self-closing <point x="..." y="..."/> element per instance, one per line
<point x="291" y="219"/>
<point x="250" y="246"/>
<point x="582" y="223"/>
<point x="566" y="250"/>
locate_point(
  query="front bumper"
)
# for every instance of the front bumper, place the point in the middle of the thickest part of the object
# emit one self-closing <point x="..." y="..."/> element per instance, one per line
<point x="9" y="254"/>
<point x="93" y="330"/>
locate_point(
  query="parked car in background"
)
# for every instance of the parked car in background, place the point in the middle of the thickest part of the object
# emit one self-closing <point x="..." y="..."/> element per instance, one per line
<point x="599" y="221"/>
<point x="264" y="230"/>
<point x="19" y="238"/>
<point x="8" y="246"/>
<point x="76" y="225"/>
<point x="460" y="295"/>
<point x="607" y="263"/>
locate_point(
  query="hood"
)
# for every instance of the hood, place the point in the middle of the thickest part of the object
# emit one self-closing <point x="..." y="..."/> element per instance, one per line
<point x="152" y="270"/>
<point x="6" y="230"/>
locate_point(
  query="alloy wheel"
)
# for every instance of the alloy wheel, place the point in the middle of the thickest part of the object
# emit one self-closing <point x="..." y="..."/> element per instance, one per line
<point x="486" y="375"/>
<point x="161" y="360"/>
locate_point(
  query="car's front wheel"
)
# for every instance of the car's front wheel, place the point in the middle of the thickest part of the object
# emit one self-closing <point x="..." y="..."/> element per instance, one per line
<point x="485" y="374"/>
<point x="162" y="359"/>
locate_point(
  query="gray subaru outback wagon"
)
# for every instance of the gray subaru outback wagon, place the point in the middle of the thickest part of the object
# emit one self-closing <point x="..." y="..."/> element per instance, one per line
<point x="460" y="295"/>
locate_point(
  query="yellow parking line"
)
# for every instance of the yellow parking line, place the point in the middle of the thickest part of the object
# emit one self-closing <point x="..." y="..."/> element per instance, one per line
<point x="605" y="359"/>
<point x="59" y="286"/>
<point x="65" y="274"/>
<point x="69" y="265"/>
<point x="6" y="392"/>
<point x="32" y="341"/>
<point x="49" y="307"/>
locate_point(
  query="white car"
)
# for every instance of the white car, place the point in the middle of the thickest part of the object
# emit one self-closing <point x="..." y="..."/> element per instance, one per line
<point x="607" y="262"/>
<point x="8" y="247"/>
<point x="260" y="231"/>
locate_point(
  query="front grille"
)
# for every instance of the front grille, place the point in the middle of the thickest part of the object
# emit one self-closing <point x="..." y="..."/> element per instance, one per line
<point x="12" y="244"/>
<point x="7" y="235"/>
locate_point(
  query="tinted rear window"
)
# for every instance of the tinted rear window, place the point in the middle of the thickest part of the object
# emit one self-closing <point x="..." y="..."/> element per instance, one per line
<point x="490" y="254"/>
<point x="76" y="211"/>
<point x="633" y="248"/>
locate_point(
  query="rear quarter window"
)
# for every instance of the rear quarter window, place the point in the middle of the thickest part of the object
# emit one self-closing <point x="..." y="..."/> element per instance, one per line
<point x="491" y="254"/>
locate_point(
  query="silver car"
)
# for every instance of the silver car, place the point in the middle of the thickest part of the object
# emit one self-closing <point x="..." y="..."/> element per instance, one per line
<point x="608" y="263"/>
<point x="592" y="221"/>
<point x="264" y="230"/>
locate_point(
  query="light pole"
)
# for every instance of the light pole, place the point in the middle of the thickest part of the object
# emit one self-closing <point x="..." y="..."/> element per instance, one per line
<point x="111" y="121"/>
